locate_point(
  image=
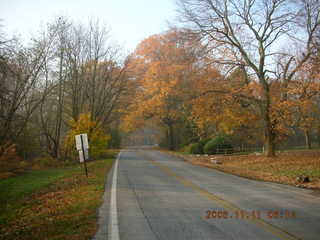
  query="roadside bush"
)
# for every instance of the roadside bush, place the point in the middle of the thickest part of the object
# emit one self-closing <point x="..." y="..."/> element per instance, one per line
<point x="185" y="148"/>
<point x="196" y="148"/>
<point x="218" y="145"/>
<point x="98" y="139"/>
<point x="9" y="159"/>
<point x="203" y="142"/>
<point x="46" y="161"/>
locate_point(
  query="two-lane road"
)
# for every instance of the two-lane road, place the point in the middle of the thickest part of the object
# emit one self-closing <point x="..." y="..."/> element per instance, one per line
<point x="157" y="196"/>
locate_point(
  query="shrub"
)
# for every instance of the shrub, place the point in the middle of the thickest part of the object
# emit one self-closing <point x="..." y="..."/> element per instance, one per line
<point x="9" y="159"/>
<point x="203" y="142"/>
<point x="185" y="148"/>
<point x="196" y="148"/>
<point x="46" y="161"/>
<point x="98" y="139"/>
<point x="217" y="145"/>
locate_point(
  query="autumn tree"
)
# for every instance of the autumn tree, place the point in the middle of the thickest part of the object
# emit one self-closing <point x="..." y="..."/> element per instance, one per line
<point x="165" y="66"/>
<point x="98" y="139"/>
<point x="304" y="94"/>
<point x="219" y="113"/>
<point x="248" y="34"/>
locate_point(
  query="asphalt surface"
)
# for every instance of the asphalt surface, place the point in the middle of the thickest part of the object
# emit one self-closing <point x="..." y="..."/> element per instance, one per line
<point x="159" y="196"/>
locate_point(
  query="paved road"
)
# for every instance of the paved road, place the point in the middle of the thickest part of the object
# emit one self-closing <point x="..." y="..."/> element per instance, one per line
<point x="159" y="196"/>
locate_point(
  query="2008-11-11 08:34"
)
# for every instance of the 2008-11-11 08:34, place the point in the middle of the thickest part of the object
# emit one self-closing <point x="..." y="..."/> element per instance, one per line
<point x="252" y="214"/>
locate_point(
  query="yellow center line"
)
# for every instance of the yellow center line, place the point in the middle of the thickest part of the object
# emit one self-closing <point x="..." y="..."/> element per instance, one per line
<point x="282" y="234"/>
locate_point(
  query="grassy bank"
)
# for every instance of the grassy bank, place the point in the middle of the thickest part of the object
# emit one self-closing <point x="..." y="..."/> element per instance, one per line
<point x="15" y="190"/>
<point x="285" y="168"/>
<point x="53" y="204"/>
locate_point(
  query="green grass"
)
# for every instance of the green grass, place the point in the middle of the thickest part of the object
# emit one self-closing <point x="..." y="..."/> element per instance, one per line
<point x="16" y="189"/>
<point x="54" y="203"/>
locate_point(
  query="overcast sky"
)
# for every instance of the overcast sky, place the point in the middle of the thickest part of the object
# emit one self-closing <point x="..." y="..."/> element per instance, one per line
<point x="130" y="20"/>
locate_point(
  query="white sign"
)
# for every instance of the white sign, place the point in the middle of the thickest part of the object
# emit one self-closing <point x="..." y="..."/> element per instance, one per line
<point x="78" y="142"/>
<point x="86" y="155"/>
<point x="82" y="141"/>
<point x="82" y="145"/>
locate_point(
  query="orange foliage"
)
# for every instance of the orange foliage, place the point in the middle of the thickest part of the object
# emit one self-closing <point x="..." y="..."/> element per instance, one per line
<point x="174" y="80"/>
<point x="219" y="109"/>
<point x="303" y="93"/>
<point x="163" y="65"/>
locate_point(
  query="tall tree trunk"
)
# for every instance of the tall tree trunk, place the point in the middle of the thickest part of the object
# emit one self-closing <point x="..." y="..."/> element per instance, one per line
<point x="319" y="135"/>
<point x="269" y="145"/>
<point x="55" y="151"/>
<point x="269" y="134"/>
<point x="171" y="137"/>
<point x="307" y="139"/>
<point x="269" y="138"/>
<point x="58" y="124"/>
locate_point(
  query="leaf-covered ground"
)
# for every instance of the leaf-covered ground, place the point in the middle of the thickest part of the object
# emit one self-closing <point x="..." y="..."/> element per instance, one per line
<point x="285" y="168"/>
<point x="64" y="209"/>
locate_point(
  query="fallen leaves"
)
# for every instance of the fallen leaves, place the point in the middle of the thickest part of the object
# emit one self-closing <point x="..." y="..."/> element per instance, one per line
<point x="285" y="168"/>
<point x="64" y="210"/>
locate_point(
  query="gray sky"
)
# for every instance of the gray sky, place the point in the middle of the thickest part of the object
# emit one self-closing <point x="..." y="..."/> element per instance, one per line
<point x="130" y="20"/>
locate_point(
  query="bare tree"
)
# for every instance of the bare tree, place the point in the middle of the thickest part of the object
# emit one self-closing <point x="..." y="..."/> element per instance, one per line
<point x="20" y="71"/>
<point x="249" y="34"/>
<point x="99" y="77"/>
<point x="85" y="76"/>
<point x="55" y="69"/>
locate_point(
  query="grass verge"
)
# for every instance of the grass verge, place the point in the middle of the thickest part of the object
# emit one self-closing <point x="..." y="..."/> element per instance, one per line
<point x="285" y="168"/>
<point x="53" y="204"/>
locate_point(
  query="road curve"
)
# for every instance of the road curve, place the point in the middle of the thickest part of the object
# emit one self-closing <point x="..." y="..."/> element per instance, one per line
<point x="159" y="196"/>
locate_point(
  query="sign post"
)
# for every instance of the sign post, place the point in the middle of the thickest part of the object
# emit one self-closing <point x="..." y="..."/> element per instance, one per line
<point x="82" y="146"/>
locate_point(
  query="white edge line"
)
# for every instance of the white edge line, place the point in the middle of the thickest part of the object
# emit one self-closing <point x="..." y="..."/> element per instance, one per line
<point x="113" y="220"/>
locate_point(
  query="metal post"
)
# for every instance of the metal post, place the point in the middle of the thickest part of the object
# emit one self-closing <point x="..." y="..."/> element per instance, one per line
<point x="84" y="157"/>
